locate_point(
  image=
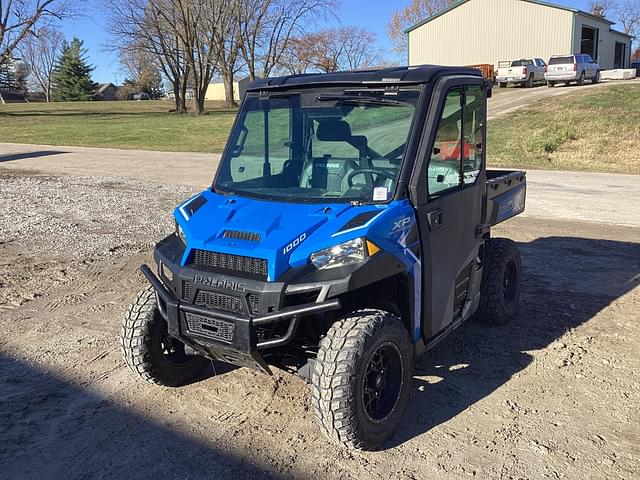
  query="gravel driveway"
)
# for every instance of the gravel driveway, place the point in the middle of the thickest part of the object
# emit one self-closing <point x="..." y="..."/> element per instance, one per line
<point x="555" y="394"/>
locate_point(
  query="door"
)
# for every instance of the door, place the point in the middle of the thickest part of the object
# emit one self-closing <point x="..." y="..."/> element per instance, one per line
<point x="619" y="55"/>
<point x="448" y="189"/>
<point x="540" y="70"/>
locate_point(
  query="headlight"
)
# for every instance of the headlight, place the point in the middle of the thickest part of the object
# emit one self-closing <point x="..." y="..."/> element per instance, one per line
<point x="346" y="253"/>
<point x="180" y="233"/>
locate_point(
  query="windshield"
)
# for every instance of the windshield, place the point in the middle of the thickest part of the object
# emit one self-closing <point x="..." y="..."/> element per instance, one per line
<point x="329" y="145"/>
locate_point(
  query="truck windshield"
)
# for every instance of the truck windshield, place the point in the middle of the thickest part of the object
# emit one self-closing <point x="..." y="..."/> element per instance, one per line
<point x="329" y="145"/>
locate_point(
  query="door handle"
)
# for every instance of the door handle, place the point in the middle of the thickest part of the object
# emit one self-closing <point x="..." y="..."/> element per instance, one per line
<point x="434" y="219"/>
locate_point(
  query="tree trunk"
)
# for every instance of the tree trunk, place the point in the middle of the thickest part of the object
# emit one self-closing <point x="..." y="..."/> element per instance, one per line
<point x="199" y="100"/>
<point x="181" y="106"/>
<point x="227" y="79"/>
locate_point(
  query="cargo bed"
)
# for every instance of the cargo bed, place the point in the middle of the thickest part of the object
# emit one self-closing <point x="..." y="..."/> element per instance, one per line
<point x="506" y="193"/>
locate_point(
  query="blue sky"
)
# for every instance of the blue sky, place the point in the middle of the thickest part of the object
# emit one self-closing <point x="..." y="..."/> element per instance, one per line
<point x="369" y="14"/>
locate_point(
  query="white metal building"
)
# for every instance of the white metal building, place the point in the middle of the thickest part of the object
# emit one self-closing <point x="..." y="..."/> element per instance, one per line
<point x="487" y="31"/>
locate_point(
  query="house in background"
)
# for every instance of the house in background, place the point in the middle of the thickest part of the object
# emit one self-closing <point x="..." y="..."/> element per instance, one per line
<point x="106" y="91"/>
<point x="487" y="31"/>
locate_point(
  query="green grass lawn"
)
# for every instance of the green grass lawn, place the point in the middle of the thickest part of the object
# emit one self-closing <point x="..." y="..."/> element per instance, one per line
<point x="146" y="125"/>
<point x="596" y="130"/>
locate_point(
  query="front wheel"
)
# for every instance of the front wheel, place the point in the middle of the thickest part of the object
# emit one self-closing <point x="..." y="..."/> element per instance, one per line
<point x="149" y="351"/>
<point x="501" y="282"/>
<point x="362" y="378"/>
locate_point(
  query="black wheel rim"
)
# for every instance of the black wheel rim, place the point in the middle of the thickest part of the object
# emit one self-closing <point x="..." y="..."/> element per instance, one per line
<point x="510" y="282"/>
<point x="382" y="382"/>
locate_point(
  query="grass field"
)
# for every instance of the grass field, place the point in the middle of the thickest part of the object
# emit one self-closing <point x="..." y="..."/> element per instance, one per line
<point x="596" y="130"/>
<point x="135" y="125"/>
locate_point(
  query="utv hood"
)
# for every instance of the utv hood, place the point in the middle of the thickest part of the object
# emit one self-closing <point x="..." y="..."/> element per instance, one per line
<point x="284" y="234"/>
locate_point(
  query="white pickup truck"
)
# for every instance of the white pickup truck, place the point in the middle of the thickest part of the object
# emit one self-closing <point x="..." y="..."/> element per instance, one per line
<point x="525" y="70"/>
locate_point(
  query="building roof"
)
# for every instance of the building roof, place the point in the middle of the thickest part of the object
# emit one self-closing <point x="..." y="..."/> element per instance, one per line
<point x="618" y="32"/>
<point x="537" y="2"/>
<point x="103" y="87"/>
<point x="391" y="76"/>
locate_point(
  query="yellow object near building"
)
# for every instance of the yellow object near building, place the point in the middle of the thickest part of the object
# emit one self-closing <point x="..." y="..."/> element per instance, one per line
<point x="215" y="91"/>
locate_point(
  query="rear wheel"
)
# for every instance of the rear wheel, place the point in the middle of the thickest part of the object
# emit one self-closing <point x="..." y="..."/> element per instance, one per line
<point x="529" y="82"/>
<point x="149" y="351"/>
<point x="362" y="378"/>
<point x="551" y="84"/>
<point x="581" y="79"/>
<point x="501" y="282"/>
<point x="502" y="84"/>
<point x="596" y="79"/>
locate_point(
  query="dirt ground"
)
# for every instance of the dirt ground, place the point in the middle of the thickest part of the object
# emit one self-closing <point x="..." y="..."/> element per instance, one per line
<point x="555" y="394"/>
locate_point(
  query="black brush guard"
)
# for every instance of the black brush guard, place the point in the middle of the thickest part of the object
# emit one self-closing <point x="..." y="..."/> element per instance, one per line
<point x="243" y="347"/>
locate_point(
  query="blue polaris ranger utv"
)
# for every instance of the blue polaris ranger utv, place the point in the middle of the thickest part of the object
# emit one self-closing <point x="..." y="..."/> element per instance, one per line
<point x="346" y="232"/>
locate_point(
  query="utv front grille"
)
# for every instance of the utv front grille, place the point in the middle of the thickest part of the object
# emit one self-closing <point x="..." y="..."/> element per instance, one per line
<point x="224" y="262"/>
<point x="238" y="235"/>
<point x="210" y="327"/>
<point x="218" y="301"/>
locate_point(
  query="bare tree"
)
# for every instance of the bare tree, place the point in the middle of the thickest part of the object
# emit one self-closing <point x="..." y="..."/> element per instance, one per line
<point x="359" y="49"/>
<point x="142" y="71"/>
<point x="227" y="39"/>
<point x="417" y="11"/>
<point x="142" y="24"/>
<point x="20" y="18"/>
<point x="40" y="51"/>
<point x="266" y="27"/>
<point x="329" y="50"/>
<point x="600" y="8"/>
<point x="628" y="15"/>
<point x="298" y="56"/>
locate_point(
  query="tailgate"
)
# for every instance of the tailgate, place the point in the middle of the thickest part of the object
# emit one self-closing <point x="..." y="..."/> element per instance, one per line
<point x="506" y="193"/>
<point x="512" y="72"/>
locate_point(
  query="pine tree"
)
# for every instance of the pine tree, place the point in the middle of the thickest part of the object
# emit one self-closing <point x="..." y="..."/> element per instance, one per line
<point x="71" y="80"/>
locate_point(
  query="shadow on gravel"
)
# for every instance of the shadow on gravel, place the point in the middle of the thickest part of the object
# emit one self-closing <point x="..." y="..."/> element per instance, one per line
<point x="52" y="428"/>
<point x="21" y="156"/>
<point x="567" y="281"/>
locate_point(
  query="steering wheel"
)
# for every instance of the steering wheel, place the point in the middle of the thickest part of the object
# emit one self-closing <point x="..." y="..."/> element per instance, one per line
<point x="375" y="171"/>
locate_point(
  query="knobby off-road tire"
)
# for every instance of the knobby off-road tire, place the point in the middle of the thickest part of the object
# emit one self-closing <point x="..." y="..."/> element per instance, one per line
<point x="501" y="282"/>
<point x="362" y="378"/>
<point x="147" y="349"/>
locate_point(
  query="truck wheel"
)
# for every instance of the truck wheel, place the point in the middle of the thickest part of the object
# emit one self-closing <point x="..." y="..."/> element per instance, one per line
<point x="581" y="79"/>
<point x="551" y="84"/>
<point x="502" y="84"/>
<point x="596" y="79"/>
<point x="362" y="377"/>
<point x="149" y="351"/>
<point x="529" y="82"/>
<point x="501" y="282"/>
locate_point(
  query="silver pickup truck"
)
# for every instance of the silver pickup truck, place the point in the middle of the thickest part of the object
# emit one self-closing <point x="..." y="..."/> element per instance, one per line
<point x="524" y="70"/>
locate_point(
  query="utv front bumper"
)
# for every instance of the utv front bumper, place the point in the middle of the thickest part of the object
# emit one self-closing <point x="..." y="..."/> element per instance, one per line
<point x="224" y="336"/>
